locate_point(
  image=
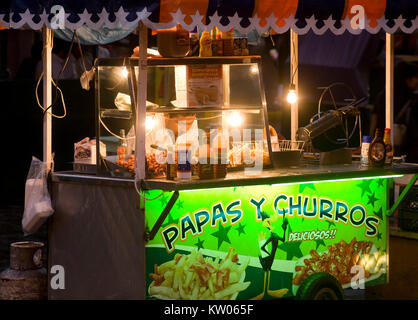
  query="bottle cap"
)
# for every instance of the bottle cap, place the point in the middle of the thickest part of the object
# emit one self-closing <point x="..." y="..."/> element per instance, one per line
<point x="387" y="130"/>
<point x="367" y="139"/>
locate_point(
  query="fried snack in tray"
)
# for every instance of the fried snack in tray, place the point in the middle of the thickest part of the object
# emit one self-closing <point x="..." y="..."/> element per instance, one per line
<point x="194" y="277"/>
<point x="127" y="164"/>
<point x="337" y="261"/>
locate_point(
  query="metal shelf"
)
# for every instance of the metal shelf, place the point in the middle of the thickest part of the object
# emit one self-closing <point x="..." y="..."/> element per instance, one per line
<point x="115" y="62"/>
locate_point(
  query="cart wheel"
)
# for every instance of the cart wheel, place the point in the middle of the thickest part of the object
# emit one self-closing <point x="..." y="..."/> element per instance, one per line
<point x="320" y="286"/>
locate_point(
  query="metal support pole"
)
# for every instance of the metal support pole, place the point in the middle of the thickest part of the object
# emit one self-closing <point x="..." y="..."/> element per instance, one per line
<point x="389" y="83"/>
<point x="47" y="95"/>
<point x="141" y="101"/>
<point x="294" y="60"/>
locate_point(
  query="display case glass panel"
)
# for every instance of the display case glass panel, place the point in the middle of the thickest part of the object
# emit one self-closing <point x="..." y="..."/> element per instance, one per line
<point x="192" y="102"/>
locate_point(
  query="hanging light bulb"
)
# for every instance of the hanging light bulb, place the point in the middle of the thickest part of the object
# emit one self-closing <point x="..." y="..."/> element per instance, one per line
<point x="292" y="96"/>
<point x="235" y="119"/>
<point x="149" y="123"/>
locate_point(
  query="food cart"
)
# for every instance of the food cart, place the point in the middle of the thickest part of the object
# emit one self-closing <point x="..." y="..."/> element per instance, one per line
<point x="305" y="231"/>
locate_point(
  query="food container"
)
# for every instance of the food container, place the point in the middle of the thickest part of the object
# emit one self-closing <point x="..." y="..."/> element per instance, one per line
<point x="85" y="151"/>
<point x="205" y="167"/>
<point x="174" y="42"/>
<point x="289" y="158"/>
<point x="184" y="167"/>
<point x="237" y="47"/>
<point x="220" y="168"/>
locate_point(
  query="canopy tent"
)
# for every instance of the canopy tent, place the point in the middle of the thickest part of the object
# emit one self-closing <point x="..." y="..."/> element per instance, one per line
<point x="242" y="15"/>
<point x="280" y="16"/>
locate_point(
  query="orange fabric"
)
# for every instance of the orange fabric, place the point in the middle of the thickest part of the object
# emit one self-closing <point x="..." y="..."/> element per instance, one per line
<point x="187" y="7"/>
<point x="374" y="9"/>
<point x="280" y="8"/>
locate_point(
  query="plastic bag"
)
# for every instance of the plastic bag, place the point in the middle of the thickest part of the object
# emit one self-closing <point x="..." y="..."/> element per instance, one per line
<point x="37" y="199"/>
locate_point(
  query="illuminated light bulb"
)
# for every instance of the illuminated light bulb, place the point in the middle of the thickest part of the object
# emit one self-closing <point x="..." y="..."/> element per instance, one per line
<point x="149" y="123"/>
<point x="125" y="72"/>
<point x="292" y="96"/>
<point x="235" y="119"/>
<point x="254" y="69"/>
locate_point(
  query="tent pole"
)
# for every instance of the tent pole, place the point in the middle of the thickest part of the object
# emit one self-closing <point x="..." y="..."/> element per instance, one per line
<point x="47" y="95"/>
<point x="294" y="60"/>
<point x="389" y="82"/>
<point x="141" y="100"/>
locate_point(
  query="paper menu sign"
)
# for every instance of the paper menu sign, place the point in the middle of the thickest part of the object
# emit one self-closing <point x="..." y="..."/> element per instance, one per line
<point x="204" y="86"/>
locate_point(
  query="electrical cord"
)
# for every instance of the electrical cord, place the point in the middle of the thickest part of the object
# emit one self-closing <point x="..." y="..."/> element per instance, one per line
<point x="60" y="73"/>
<point x="141" y="195"/>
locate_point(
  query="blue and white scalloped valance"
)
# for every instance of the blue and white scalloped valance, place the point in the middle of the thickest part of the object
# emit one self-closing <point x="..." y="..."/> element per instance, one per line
<point x="243" y="15"/>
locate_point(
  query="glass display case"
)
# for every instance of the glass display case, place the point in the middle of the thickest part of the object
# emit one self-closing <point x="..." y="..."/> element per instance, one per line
<point x="214" y="107"/>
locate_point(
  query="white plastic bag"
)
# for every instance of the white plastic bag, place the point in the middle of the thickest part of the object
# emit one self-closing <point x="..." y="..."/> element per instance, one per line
<point x="37" y="199"/>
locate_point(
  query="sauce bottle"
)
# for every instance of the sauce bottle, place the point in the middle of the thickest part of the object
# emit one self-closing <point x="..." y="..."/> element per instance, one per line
<point x="205" y="167"/>
<point x="365" y="146"/>
<point x="219" y="43"/>
<point x="214" y="43"/>
<point x="121" y="150"/>
<point x="388" y="147"/>
<point x="228" y="42"/>
<point x="205" y="49"/>
<point x="377" y="151"/>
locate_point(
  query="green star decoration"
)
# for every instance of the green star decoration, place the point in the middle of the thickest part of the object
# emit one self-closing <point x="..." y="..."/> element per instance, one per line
<point x="199" y="244"/>
<point x="372" y="199"/>
<point x="292" y="249"/>
<point x="163" y="199"/>
<point x="302" y="186"/>
<point x="380" y="182"/>
<point x="169" y="220"/>
<point x="222" y="235"/>
<point x="330" y="223"/>
<point x="365" y="187"/>
<point x="379" y="236"/>
<point x="319" y="242"/>
<point x="179" y="204"/>
<point x="379" y="213"/>
<point x="240" y="229"/>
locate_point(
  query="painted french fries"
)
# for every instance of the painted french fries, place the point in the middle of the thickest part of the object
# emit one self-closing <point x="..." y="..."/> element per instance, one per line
<point x="194" y="277"/>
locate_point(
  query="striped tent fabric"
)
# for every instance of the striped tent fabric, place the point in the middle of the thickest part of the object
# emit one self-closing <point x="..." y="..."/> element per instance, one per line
<point x="278" y="16"/>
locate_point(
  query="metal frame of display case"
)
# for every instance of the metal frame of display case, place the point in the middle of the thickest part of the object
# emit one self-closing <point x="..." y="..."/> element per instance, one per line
<point x="131" y="63"/>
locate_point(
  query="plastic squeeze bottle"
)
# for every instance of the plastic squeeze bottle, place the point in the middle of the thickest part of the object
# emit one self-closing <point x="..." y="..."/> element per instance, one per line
<point x="205" y="45"/>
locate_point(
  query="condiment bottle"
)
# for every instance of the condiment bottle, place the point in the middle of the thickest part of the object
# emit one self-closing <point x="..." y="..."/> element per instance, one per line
<point x="205" y="167"/>
<point x="194" y="44"/>
<point x="205" y="49"/>
<point x="365" y="146"/>
<point x="228" y="42"/>
<point x="123" y="146"/>
<point x="219" y="168"/>
<point x="214" y="43"/>
<point x="171" y="168"/>
<point x="184" y="169"/>
<point x="219" y="43"/>
<point x="388" y="147"/>
<point x="377" y="151"/>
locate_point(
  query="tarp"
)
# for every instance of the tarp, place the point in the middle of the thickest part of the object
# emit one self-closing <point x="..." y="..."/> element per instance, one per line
<point x="242" y="15"/>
